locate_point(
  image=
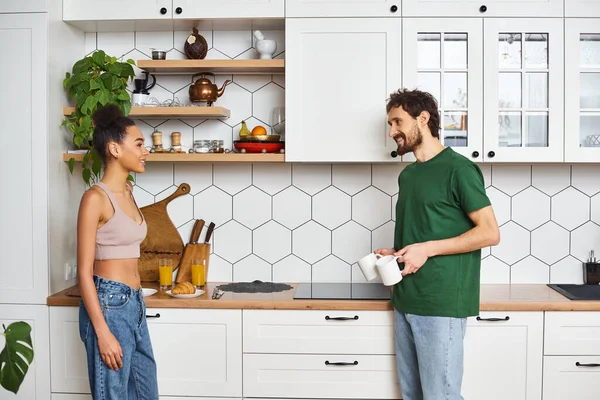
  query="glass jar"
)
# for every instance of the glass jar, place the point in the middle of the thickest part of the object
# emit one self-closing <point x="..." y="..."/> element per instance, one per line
<point x="202" y="146"/>
<point x="217" y="146"/>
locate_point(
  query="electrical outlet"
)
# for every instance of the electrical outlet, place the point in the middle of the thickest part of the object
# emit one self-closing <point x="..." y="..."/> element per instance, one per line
<point x="70" y="271"/>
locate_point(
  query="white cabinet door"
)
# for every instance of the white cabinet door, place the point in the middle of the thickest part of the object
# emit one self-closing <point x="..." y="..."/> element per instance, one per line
<point x="582" y="93"/>
<point x="570" y="378"/>
<point x="114" y="10"/>
<point x="339" y="73"/>
<point x="446" y="59"/>
<point x="582" y="8"/>
<point x="197" y="352"/>
<point x="69" y="373"/>
<point x="342" y="8"/>
<point x="489" y="8"/>
<point x="36" y="385"/>
<point x="24" y="205"/>
<point x="347" y="376"/>
<point x="523" y="92"/>
<point x="570" y="333"/>
<point x="23" y="6"/>
<point x="194" y="9"/>
<point x="503" y="357"/>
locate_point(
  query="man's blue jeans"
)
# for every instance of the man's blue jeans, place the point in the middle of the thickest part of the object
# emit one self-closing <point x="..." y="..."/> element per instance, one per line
<point x="429" y="355"/>
<point x="124" y="310"/>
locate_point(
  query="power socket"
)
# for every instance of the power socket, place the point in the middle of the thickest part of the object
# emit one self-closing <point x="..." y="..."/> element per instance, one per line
<point x="70" y="270"/>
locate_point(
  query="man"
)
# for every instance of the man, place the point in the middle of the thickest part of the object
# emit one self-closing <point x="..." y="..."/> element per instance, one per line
<point x="443" y="219"/>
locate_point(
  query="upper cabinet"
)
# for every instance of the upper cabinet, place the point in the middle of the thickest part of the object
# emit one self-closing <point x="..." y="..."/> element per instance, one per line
<point x="23" y="6"/>
<point x="523" y="90"/>
<point x="114" y="10"/>
<point x="185" y="9"/>
<point x="582" y="94"/>
<point x="24" y="214"/>
<point x="582" y="8"/>
<point x="482" y="8"/>
<point x="446" y="59"/>
<point x="343" y="8"/>
<point x="339" y="73"/>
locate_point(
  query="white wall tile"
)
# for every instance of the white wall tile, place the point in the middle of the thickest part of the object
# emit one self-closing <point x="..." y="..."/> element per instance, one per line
<point x="595" y="204"/>
<point x="232" y="43"/>
<point x="291" y="207"/>
<point x="529" y="270"/>
<point x="272" y="242"/>
<point x="311" y="178"/>
<point x="181" y="209"/>
<point x="272" y="178"/>
<point x="252" y="207"/>
<point x="89" y="42"/>
<point x="351" y="178"/>
<point x="486" y="171"/>
<point x="279" y="79"/>
<point x="252" y="268"/>
<point x="233" y="241"/>
<point x="494" y="271"/>
<point x="550" y="243"/>
<point x="331" y="269"/>
<point x="142" y="197"/>
<point x="148" y="41"/>
<point x="383" y="237"/>
<point x="567" y="270"/>
<point x="570" y="208"/>
<point x="115" y="44"/>
<point x="371" y="208"/>
<point x="311" y="242"/>
<point x="331" y="207"/>
<point x="156" y="178"/>
<point x="291" y="269"/>
<point x="265" y="100"/>
<point x="232" y="178"/>
<point x="531" y="208"/>
<point x="385" y="177"/>
<point x="511" y="179"/>
<point x="198" y="176"/>
<point x="214" y="205"/>
<point x="514" y="243"/>
<point x="219" y="270"/>
<point x="500" y="203"/>
<point x="586" y="178"/>
<point x="252" y="82"/>
<point x="351" y="242"/>
<point x="551" y="179"/>
<point x="584" y="239"/>
<point x="239" y="101"/>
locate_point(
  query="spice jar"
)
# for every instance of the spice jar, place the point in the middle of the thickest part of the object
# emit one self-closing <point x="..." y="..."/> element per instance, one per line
<point x="217" y="146"/>
<point x="201" y="146"/>
<point x="157" y="143"/>
<point x="176" y="141"/>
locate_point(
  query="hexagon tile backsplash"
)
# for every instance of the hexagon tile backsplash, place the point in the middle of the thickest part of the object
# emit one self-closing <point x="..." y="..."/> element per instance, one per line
<point x="312" y="222"/>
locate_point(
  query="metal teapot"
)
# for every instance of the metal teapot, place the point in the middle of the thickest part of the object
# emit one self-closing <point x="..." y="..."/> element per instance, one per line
<point x="203" y="90"/>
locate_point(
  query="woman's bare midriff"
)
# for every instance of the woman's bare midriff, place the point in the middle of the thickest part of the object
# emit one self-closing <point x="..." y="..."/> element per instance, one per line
<point x="120" y="270"/>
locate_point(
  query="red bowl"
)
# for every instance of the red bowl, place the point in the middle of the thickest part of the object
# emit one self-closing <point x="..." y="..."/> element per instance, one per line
<point x="258" y="147"/>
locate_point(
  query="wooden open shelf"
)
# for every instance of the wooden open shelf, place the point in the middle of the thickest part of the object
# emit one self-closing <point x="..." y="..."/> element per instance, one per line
<point x="172" y="112"/>
<point x="210" y="157"/>
<point x="221" y="66"/>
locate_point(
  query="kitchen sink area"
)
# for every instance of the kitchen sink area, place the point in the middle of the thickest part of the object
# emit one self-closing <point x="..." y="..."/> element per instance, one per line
<point x="577" y="292"/>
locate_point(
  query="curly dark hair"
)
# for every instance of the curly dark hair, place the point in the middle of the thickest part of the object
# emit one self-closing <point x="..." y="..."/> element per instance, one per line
<point x="414" y="102"/>
<point x="110" y="125"/>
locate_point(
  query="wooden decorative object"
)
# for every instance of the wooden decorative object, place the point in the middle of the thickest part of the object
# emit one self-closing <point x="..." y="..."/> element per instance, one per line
<point x="192" y="251"/>
<point x="163" y="239"/>
<point x="195" y="47"/>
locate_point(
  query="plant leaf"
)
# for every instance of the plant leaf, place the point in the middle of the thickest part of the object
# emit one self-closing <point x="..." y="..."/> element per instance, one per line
<point x="71" y="165"/>
<point x="130" y="178"/>
<point x="103" y="98"/>
<point x="126" y="107"/>
<point x="16" y="357"/>
<point x="123" y="96"/>
<point x="99" y="57"/>
<point x="86" y="175"/>
<point x="91" y="102"/>
<point x="130" y="61"/>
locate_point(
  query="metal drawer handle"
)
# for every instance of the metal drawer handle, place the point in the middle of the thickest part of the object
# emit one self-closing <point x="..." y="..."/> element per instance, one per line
<point x="327" y="317"/>
<point x="586" y="365"/>
<point x="341" y="363"/>
<point x="157" y="315"/>
<point x="493" y="319"/>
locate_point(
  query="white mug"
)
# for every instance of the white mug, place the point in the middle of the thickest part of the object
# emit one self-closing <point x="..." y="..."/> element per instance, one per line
<point x="389" y="270"/>
<point x="367" y="265"/>
<point x="139" y="99"/>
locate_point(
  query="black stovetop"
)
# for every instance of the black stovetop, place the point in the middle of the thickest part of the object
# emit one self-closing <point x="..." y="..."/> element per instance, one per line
<point x="342" y="291"/>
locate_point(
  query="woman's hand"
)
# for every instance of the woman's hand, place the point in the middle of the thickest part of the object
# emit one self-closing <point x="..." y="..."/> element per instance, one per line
<point x="110" y="350"/>
<point x="384" y="252"/>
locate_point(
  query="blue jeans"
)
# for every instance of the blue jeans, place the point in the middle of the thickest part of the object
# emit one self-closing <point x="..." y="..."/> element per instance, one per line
<point x="429" y="356"/>
<point x="124" y="310"/>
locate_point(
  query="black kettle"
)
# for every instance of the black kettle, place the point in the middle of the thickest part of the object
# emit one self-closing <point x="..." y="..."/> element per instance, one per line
<point x="141" y="85"/>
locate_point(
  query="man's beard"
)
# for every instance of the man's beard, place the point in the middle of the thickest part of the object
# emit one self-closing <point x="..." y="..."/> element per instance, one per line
<point x="409" y="146"/>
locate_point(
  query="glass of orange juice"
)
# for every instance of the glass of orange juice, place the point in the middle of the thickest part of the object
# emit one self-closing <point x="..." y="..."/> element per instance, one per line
<point x="165" y="274"/>
<point x="199" y="273"/>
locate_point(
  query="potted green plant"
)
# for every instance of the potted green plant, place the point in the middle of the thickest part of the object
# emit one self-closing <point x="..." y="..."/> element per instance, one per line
<point x="17" y="355"/>
<point x="95" y="80"/>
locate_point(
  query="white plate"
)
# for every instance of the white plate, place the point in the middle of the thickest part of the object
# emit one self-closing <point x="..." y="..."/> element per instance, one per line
<point x="148" y="292"/>
<point x="199" y="292"/>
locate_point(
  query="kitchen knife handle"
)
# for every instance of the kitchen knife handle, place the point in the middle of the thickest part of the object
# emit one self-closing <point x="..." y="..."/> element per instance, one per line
<point x="327" y="317"/>
<point x="493" y="319"/>
<point x="209" y="231"/>
<point x="197" y="230"/>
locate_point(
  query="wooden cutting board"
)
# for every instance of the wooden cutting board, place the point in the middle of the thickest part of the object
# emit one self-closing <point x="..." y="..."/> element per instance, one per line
<point x="163" y="239"/>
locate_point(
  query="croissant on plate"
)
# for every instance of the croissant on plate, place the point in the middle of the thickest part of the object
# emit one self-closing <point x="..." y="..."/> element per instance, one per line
<point x="184" y="288"/>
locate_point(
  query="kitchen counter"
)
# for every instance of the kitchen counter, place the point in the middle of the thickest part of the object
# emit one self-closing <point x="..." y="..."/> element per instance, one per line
<point x="493" y="298"/>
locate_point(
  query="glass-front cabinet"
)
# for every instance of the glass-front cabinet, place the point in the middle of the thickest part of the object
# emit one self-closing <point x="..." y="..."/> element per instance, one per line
<point x="523" y="90"/>
<point x="447" y="61"/>
<point x="582" y="91"/>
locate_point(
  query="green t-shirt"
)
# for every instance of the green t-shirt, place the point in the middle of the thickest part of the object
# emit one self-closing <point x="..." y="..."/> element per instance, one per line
<point x="434" y="200"/>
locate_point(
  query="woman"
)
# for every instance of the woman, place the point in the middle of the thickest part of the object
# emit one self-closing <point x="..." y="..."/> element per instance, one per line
<point x="110" y="228"/>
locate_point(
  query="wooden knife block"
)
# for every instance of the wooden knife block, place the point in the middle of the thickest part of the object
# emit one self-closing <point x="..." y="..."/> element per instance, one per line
<point x="191" y="252"/>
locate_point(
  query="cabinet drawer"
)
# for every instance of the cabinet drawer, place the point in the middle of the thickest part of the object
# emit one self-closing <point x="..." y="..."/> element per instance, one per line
<point x="572" y="333"/>
<point x="321" y="376"/>
<point x="569" y="378"/>
<point x="319" y="331"/>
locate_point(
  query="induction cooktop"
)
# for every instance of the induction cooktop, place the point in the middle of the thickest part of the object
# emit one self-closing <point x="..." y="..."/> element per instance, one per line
<point x="342" y="291"/>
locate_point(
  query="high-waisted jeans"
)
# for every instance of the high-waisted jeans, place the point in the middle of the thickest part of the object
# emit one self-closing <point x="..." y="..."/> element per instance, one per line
<point x="124" y="310"/>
